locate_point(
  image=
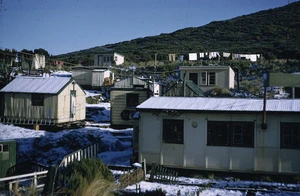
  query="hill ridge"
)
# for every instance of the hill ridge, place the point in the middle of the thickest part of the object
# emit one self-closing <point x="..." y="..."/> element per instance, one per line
<point x="266" y="32"/>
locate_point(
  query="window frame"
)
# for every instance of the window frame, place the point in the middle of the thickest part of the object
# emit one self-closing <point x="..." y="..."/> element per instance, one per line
<point x="132" y="99"/>
<point x="37" y="99"/>
<point x="294" y="133"/>
<point x="177" y="136"/>
<point x="4" y="148"/>
<point x="203" y="78"/>
<point x="226" y="133"/>
<point x="211" y="78"/>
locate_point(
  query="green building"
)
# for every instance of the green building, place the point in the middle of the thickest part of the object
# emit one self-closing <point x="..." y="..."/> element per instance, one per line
<point x="7" y="156"/>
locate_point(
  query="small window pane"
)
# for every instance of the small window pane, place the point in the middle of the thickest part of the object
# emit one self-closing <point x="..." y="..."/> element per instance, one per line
<point x="218" y="134"/>
<point x="239" y="134"/>
<point x="212" y="78"/>
<point x="5" y="148"/>
<point x="37" y="99"/>
<point x="203" y="78"/>
<point x="194" y="77"/>
<point x="290" y="135"/>
<point x="173" y="131"/>
<point x="132" y="99"/>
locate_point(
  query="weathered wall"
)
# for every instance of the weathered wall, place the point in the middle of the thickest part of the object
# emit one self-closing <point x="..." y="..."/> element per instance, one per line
<point x="265" y="156"/>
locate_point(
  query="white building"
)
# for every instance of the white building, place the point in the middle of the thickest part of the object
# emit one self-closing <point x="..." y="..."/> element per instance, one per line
<point x="108" y="59"/>
<point x="208" y="77"/>
<point x="92" y="77"/>
<point x="42" y="101"/>
<point x="220" y="134"/>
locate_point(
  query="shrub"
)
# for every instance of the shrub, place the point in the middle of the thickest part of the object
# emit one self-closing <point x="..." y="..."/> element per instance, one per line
<point x="80" y="176"/>
<point x="219" y="92"/>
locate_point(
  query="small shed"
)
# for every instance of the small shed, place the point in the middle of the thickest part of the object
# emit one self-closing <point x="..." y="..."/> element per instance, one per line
<point x="220" y="134"/>
<point x="124" y="98"/>
<point x="92" y="77"/>
<point x="42" y="101"/>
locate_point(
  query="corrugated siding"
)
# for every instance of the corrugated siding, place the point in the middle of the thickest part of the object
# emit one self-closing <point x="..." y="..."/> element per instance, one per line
<point x="82" y="77"/>
<point x="220" y="104"/>
<point x="18" y="105"/>
<point x="97" y="78"/>
<point x="118" y="104"/>
<point x="129" y="82"/>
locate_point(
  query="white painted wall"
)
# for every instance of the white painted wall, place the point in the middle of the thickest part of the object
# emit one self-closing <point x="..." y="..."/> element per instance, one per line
<point x="106" y="59"/>
<point x="266" y="156"/>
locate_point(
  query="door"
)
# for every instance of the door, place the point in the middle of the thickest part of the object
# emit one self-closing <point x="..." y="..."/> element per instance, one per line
<point x="72" y="104"/>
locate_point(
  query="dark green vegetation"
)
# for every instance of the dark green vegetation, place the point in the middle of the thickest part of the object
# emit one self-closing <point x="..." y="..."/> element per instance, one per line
<point x="275" y="33"/>
<point x="87" y="177"/>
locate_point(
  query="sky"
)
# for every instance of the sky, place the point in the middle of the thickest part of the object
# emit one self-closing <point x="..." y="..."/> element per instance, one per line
<point x="62" y="26"/>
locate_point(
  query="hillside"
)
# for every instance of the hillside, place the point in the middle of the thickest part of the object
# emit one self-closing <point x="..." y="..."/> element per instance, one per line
<point x="275" y="33"/>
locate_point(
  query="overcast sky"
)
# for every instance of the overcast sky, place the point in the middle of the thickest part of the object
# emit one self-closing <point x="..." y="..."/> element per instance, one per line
<point x="62" y="26"/>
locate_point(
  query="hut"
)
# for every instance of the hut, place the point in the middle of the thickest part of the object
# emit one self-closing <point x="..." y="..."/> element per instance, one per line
<point x="42" y="101"/>
<point x="220" y="134"/>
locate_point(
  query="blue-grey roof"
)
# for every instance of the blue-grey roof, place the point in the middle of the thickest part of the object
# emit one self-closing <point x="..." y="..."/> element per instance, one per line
<point x="220" y="104"/>
<point x="47" y="85"/>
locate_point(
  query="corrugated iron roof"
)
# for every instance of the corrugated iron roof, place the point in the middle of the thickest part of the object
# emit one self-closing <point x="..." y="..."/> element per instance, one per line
<point x="220" y="104"/>
<point x="48" y="85"/>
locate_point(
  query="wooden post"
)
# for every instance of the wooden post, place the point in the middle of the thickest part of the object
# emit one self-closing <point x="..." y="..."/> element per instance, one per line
<point x="36" y="127"/>
<point x="266" y="83"/>
<point x="145" y="169"/>
<point x="264" y="109"/>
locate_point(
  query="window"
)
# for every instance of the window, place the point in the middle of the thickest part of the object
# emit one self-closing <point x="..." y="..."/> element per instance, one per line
<point x="208" y="78"/>
<point x="239" y="134"/>
<point x="4" y="148"/>
<point x="212" y="78"/>
<point x="290" y="135"/>
<point x="203" y="78"/>
<point x="132" y="99"/>
<point x="173" y="131"/>
<point x="243" y="134"/>
<point x="194" y="77"/>
<point x="218" y="134"/>
<point x="37" y="99"/>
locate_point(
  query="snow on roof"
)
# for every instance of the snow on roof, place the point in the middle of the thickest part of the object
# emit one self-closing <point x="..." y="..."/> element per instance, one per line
<point x="220" y="104"/>
<point x="48" y="85"/>
<point x="214" y="67"/>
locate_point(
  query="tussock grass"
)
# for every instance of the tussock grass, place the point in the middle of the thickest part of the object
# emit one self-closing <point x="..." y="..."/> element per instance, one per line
<point x="87" y="177"/>
<point x="131" y="178"/>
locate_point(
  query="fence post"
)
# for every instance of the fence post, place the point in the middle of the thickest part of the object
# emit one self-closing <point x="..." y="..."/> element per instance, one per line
<point x="50" y="181"/>
<point x="153" y="171"/>
<point x="144" y="168"/>
<point x="35" y="180"/>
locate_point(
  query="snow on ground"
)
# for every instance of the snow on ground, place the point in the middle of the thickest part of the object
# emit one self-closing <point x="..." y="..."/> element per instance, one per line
<point x="49" y="148"/>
